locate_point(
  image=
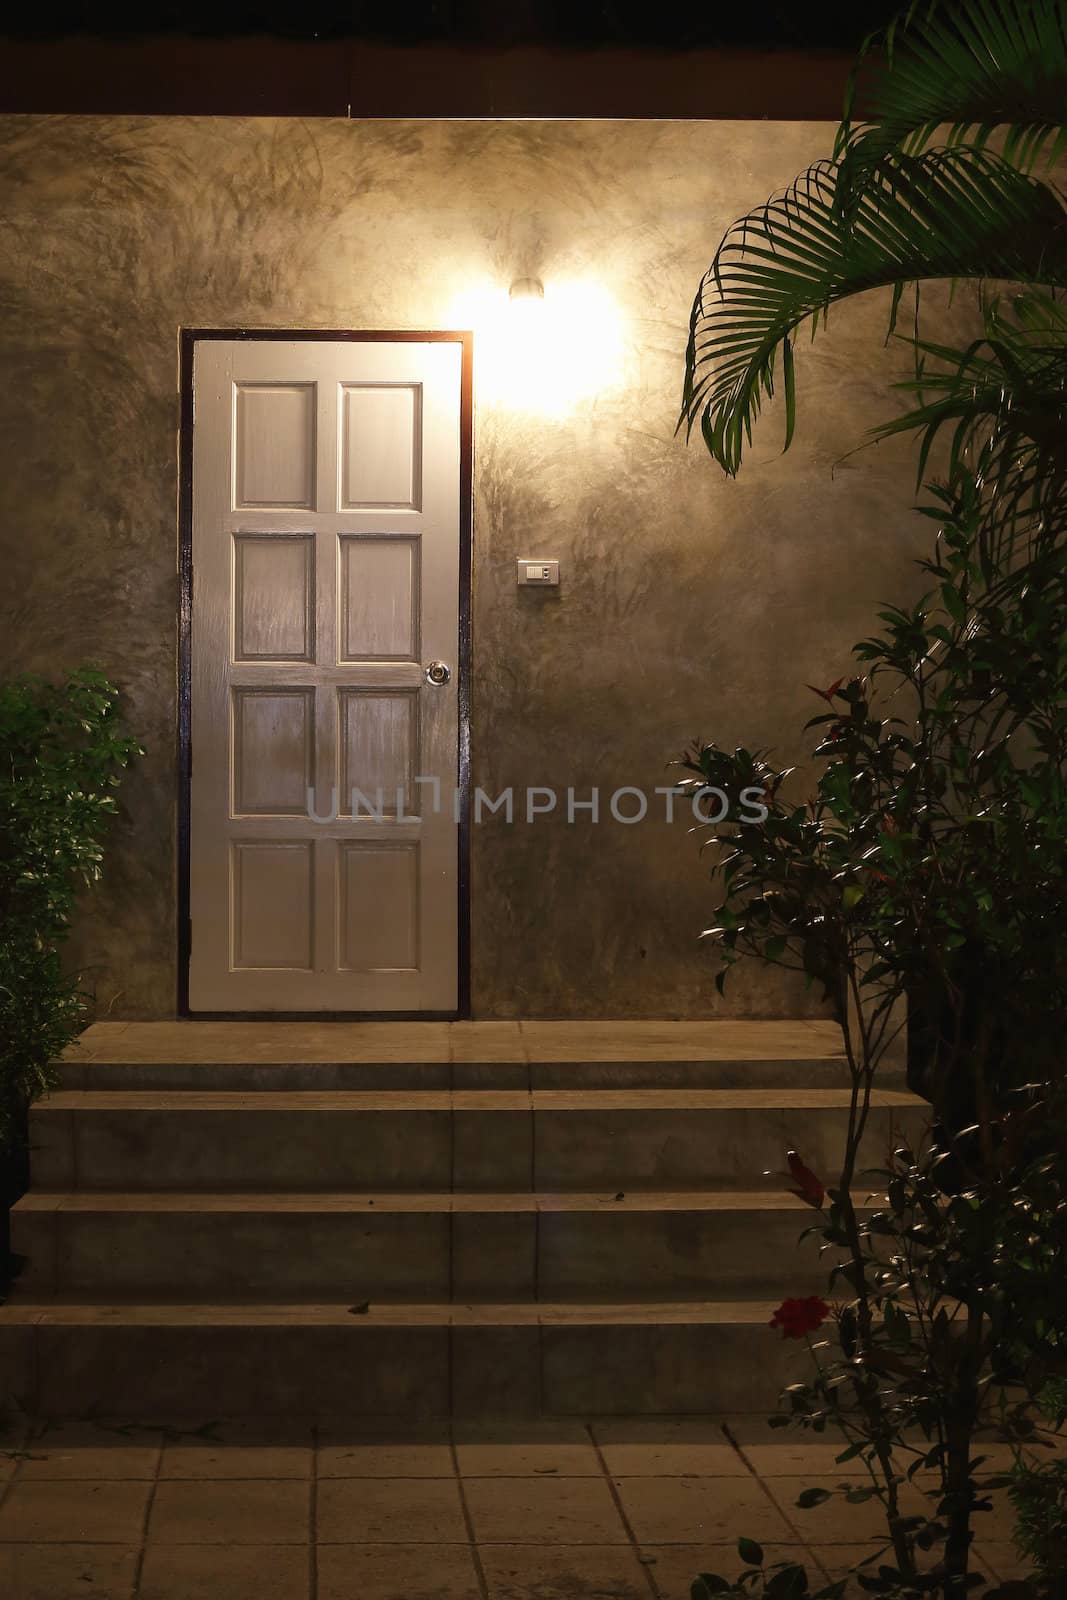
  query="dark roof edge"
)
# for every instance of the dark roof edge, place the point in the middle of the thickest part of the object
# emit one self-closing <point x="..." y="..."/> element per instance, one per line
<point x="268" y="76"/>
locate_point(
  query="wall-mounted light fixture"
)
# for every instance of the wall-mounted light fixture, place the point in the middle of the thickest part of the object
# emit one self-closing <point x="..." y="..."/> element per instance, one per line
<point x="542" y="346"/>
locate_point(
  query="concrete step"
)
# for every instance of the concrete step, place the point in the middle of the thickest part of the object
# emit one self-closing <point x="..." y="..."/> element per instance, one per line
<point x="423" y="1219"/>
<point x="568" y="1358"/>
<point x="337" y="1055"/>
<point x="452" y="1246"/>
<point x="825" y="1071"/>
<point x="459" y="1055"/>
<point x="475" y="1139"/>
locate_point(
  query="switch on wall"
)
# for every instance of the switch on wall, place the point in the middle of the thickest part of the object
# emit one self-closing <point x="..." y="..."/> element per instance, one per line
<point x="541" y="573"/>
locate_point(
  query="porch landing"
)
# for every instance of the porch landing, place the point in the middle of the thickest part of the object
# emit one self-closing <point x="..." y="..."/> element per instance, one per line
<point x="456" y="1042"/>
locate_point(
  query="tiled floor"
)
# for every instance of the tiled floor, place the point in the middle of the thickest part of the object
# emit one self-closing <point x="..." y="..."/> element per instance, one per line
<point x="244" y="1510"/>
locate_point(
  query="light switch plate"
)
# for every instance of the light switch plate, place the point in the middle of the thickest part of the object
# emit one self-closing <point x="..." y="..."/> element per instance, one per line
<point x="542" y="574"/>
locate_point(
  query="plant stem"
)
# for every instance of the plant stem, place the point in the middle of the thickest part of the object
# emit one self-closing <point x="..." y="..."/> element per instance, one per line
<point x="959" y="1434"/>
<point x="865" y="1385"/>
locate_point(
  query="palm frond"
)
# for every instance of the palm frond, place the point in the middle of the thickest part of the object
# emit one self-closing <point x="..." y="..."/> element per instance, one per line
<point x="1003" y="401"/>
<point x="946" y="214"/>
<point x="1010" y="385"/>
<point x="984" y="68"/>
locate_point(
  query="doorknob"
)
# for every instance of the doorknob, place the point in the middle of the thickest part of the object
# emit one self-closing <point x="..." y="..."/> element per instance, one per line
<point x="438" y="673"/>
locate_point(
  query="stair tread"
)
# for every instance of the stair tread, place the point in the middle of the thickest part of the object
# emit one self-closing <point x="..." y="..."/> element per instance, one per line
<point x="118" y="1312"/>
<point x="329" y="1201"/>
<point x="413" y="1100"/>
<point x="246" y="1043"/>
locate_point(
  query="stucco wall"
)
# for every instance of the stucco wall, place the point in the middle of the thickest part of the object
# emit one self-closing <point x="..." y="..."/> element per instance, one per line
<point x="689" y="604"/>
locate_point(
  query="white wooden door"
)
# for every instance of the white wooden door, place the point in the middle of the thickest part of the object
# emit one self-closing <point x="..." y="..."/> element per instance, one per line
<point x="325" y="581"/>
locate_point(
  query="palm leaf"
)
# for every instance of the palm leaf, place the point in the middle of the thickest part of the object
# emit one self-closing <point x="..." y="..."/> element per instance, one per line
<point x="980" y="67"/>
<point x="1004" y="400"/>
<point x="1006" y="383"/>
<point x="945" y="214"/>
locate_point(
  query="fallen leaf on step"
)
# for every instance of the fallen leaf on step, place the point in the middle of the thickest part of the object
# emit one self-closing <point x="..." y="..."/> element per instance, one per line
<point x="360" y="1310"/>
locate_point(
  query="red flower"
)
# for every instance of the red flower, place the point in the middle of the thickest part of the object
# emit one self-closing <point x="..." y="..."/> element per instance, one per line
<point x="809" y="1188"/>
<point x="799" y="1317"/>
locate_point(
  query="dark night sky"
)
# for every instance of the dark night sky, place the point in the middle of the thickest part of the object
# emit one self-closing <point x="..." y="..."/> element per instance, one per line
<point x="671" y="24"/>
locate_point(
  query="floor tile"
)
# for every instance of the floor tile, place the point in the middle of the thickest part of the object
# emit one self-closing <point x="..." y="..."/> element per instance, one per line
<point x="397" y="1572"/>
<point x="835" y="1521"/>
<point x="357" y="1449"/>
<point x="674" y="1566"/>
<point x="1003" y="1560"/>
<point x="67" y="1571"/>
<point x="90" y="1450"/>
<point x="230" y="1511"/>
<point x="561" y="1572"/>
<point x="552" y="1511"/>
<point x="784" y="1452"/>
<point x="790" y="1452"/>
<point x="390" y="1511"/>
<point x="245" y="1449"/>
<point x="84" y="1513"/>
<point x="525" y="1449"/>
<point x="648" y="1447"/>
<point x="224" y="1572"/>
<point x="699" y="1510"/>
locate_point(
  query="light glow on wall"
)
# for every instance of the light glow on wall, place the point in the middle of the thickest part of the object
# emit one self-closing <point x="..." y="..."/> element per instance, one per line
<point x="542" y="354"/>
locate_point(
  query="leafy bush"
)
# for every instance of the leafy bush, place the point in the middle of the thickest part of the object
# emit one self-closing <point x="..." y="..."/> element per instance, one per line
<point x="1039" y="1495"/>
<point x="929" y="868"/>
<point x="62" y="752"/>
<point x="930" y="861"/>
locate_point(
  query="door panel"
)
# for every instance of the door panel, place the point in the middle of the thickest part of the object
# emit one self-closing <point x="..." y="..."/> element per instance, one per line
<point x="379" y="738"/>
<point x="274" y="597"/>
<point x="381" y="458"/>
<point x="386" y="876"/>
<point x="274" y="445"/>
<point x="379" y="598"/>
<point x="272" y="886"/>
<point x="326" y="550"/>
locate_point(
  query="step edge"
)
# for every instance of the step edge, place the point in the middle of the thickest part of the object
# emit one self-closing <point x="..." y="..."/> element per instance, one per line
<point x="560" y="1313"/>
<point x="403" y="1202"/>
<point x="439" y="1100"/>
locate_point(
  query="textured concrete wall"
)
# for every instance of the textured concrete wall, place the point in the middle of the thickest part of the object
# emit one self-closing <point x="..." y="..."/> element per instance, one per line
<point x="690" y="605"/>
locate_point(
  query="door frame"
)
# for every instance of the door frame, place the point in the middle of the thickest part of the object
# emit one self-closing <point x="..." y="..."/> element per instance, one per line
<point x="187" y="340"/>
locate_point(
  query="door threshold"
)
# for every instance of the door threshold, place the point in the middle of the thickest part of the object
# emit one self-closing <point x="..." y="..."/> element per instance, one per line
<point x="322" y="1016"/>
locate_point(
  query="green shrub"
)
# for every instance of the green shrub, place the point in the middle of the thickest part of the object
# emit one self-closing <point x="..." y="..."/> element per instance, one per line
<point x="62" y="752"/>
<point x="1039" y="1495"/>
